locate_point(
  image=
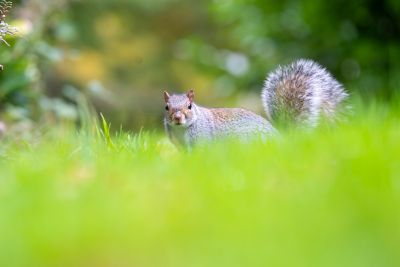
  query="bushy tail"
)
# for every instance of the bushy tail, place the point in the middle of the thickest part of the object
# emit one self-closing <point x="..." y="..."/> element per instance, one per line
<point x="301" y="93"/>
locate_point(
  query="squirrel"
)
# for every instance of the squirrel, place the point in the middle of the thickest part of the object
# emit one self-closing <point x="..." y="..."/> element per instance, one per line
<point x="297" y="94"/>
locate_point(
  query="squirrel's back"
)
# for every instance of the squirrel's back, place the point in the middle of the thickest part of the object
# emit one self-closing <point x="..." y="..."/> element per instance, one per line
<point x="301" y="93"/>
<point x="239" y="122"/>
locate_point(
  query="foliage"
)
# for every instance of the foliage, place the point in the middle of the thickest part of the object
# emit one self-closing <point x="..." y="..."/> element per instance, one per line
<point x="24" y="94"/>
<point x="122" y="54"/>
<point x="328" y="198"/>
<point x="357" y="41"/>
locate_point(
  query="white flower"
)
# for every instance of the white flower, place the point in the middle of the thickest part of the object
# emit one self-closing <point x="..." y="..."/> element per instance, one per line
<point x="6" y="29"/>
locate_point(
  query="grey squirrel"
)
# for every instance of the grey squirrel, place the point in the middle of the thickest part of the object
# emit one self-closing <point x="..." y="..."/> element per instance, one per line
<point x="300" y="93"/>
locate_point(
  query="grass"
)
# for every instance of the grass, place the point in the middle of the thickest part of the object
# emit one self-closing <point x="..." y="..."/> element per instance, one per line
<point x="326" y="198"/>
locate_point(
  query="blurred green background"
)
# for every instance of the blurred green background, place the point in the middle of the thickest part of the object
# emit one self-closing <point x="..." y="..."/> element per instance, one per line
<point x="121" y="54"/>
<point x="323" y="198"/>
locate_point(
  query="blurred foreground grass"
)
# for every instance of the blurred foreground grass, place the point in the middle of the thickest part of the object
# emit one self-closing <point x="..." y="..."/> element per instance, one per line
<point x="327" y="198"/>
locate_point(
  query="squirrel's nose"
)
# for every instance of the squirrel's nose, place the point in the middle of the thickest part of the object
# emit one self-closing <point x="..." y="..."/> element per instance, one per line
<point x="177" y="116"/>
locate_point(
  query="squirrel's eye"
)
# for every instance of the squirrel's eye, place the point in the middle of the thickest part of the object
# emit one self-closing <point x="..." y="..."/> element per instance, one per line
<point x="166" y="108"/>
<point x="190" y="106"/>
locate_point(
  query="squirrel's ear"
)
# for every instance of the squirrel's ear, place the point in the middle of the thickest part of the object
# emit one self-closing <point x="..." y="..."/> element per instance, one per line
<point x="190" y="95"/>
<point x="166" y="96"/>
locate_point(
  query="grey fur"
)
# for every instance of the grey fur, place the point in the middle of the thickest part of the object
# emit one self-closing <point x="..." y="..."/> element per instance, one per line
<point x="301" y="93"/>
<point x="207" y="124"/>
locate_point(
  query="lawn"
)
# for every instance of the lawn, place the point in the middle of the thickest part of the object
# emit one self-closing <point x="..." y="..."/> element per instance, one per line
<point x="330" y="197"/>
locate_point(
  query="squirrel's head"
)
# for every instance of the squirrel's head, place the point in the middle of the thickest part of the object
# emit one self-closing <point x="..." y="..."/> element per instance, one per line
<point x="179" y="109"/>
